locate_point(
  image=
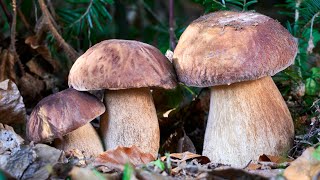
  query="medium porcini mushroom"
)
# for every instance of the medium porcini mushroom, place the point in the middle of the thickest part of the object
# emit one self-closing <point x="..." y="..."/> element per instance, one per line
<point x="235" y="53"/>
<point x="126" y="69"/>
<point x="65" y="118"/>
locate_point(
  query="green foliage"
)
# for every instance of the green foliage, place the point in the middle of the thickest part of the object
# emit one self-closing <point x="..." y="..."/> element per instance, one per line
<point x="215" y="5"/>
<point x="127" y="172"/>
<point x="304" y="18"/>
<point x="159" y="164"/>
<point x="312" y="82"/>
<point x="83" y="20"/>
<point x="316" y="153"/>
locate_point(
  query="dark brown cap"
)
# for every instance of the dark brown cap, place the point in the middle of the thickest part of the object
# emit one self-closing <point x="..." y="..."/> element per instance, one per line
<point x="227" y="47"/>
<point x="121" y="64"/>
<point x="61" y="113"/>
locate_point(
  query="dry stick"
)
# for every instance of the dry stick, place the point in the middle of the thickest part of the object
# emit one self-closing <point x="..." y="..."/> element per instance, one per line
<point x="12" y="47"/>
<point x="24" y="20"/>
<point x="51" y="8"/>
<point x="171" y="24"/>
<point x="71" y="53"/>
<point x="13" y="27"/>
<point x="23" y="17"/>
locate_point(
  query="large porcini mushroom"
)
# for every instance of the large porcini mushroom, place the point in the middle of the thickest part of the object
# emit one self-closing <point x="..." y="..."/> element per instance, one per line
<point x="126" y="69"/>
<point x="65" y="118"/>
<point x="235" y="53"/>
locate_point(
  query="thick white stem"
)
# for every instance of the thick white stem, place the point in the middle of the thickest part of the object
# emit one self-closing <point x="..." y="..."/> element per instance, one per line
<point x="85" y="138"/>
<point x="130" y="119"/>
<point x="246" y="120"/>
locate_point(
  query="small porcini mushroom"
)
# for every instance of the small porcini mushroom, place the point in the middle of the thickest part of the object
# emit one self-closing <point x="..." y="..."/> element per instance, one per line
<point x="126" y="69"/>
<point x="235" y="53"/>
<point x="65" y="118"/>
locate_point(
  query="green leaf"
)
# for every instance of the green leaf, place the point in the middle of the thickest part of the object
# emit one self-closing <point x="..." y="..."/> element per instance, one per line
<point x="235" y="2"/>
<point x="89" y="20"/>
<point x="168" y="162"/>
<point x="107" y="1"/>
<point x="78" y="1"/>
<point x="312" y="87"/>
<point x="249" y="4"/>
<point x="316" y="153"/>
<point x="159" y="164"/>
<point x="127" y="172"/>
<point x="98" y="174"/>
<point x="95" y="18"/>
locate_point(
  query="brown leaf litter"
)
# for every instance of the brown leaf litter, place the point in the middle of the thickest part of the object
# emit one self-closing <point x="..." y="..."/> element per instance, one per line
<point x="115" y="159"/>
<point x="25" y="161"/>
<point x="12" y="108"/>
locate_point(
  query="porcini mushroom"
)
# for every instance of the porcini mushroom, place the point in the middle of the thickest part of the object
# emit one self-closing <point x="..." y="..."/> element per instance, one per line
<point x="126" y="69"/>
<point x="235" y="53"/>
<point x="65" y="118"/>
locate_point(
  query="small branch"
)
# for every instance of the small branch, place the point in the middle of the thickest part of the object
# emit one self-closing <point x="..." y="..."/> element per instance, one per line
<point x="51" y="8"/>
<point x="171" y="25"/>
<point x="71" y="53"/>
<point x="13" y="38"/>
<point x="156" y="17"/>
<point x="24" y="20"/>
<point x="83" y="15"/>
<point x="41" y="28"/>
<point x="13" y="27"/>
<point x="296" y="14"/>
<point x="310" y="42"/>
<point x="295" y="28"/>
<point x="6" y="12"/>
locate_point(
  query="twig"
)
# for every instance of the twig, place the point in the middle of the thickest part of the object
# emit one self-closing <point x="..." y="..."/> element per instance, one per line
<point x="156" y="17"/>
<point x="310" y="42"/>
<point x="295" y="28"/>
<point x="24" y="20"/>
<point x="13" y="27"/>
<point x="51" y="8"/>
<point x="71" y="53"/>
<point x="83" y="15"/>
<point x="13" y="37"/>
<point x="5" y="10"/>
<point x="171" y="25"/>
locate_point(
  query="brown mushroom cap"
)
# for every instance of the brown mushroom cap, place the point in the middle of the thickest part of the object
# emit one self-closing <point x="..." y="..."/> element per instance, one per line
<point x="121" y="64"/>
<point x="227" y="47"/>
<point x="61" y="113"/>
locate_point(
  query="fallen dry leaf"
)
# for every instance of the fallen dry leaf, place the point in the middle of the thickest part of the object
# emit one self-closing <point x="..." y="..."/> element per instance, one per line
<point x="43" y="50"/>
<point x="116" y="159"/>
<point x="304" y="167"/>
<point x="180" y="157"/>
<point x="12" y="108"/>
<point x="35" y="68"/>
<point x="17" y="163"/>
<point x="25" y="161"/>
<point x="7" y="70"/>
<point x="274" y="159"/>
<point x="231" y="174"/>
<point x="30" y="162"/>
<point x="268" y="162"/>
<point x="9" y="141"/>
<point x="77" y="157"/>
<point x="31" y="88"/>
<point x="46" y="155"/>
<point x="185" y="144"/>
<point x="253" y="166"/>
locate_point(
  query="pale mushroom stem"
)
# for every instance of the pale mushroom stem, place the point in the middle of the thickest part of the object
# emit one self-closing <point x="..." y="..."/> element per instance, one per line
<point x="85" y="139"/>
<point x="130" y="119"/>
<point x="246" y="120"/>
